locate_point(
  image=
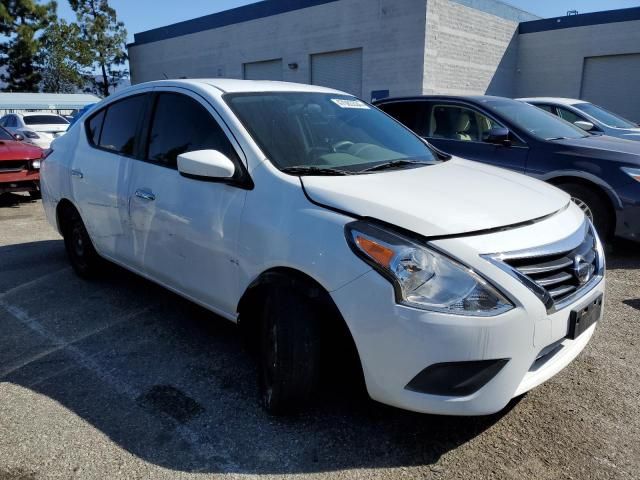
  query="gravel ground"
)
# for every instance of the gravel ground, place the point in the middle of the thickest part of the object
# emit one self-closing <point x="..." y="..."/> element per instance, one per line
<point x="121" y="379"/>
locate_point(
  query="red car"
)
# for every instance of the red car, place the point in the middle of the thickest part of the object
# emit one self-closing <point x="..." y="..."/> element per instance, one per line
<point x="19" y="165"/>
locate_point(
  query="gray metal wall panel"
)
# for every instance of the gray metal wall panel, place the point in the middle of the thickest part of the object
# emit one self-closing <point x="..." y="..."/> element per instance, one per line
<point x="269" y="70"/>
<point x="340" y="70"/>
<point x="612" y="81"/>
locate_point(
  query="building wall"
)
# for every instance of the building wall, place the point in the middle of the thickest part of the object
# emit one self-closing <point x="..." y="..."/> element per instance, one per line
<point x="471" y="47"/>
<point x="391" y="34"/>
<point x="551" y="63"/>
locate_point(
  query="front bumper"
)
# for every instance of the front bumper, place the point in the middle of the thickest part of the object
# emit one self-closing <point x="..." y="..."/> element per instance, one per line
<point x="396" y="342"/>
<point x="628" y="225"/>
<point x="22" y="181"/>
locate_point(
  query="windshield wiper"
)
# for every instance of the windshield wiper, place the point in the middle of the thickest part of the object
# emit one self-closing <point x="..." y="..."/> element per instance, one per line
<point x="394" y="164"/>
<point x="302" y="170"/>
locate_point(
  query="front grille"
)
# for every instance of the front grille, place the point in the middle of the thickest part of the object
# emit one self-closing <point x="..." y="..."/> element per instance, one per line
<point x="7" y="166"/>
<point x="558" y="273"/>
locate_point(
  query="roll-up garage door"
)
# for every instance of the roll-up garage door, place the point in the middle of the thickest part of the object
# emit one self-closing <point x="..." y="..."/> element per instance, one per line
<point x="269" y="70"/>
<point x="612" y="82"/>
<point x="340" y="70"/>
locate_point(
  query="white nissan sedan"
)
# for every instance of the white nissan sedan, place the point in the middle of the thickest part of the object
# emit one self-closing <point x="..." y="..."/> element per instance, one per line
<point x="292" y="208"/>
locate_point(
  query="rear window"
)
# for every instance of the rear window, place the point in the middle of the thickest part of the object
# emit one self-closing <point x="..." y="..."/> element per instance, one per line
<point x="94" y="127"/>
<point x="45" y="120"/>
<point x="120" y="125"/>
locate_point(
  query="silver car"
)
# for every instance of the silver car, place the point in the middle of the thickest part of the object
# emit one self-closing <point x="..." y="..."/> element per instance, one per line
<point x="588" y="116"/>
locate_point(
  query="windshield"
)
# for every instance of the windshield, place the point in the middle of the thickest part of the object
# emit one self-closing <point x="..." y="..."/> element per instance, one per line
<point x="605" y="116"/>
<point x="534" y="120"/>
<point x="4" y="135"/>
<point x="45" y="120"/>
<point x="326" y="131"/>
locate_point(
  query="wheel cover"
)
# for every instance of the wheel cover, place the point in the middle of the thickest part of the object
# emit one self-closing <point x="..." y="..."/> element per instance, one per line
<point x="270" y="362"/>
<point x="78" y="242"/>
<point x="584" y="207"/>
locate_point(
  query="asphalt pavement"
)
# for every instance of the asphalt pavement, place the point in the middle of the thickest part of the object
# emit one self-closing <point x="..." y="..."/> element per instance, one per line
<point x="118" y="378"/>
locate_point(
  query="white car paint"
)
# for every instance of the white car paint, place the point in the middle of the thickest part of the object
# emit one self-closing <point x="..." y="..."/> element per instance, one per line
<point x="571" y="104"/>
<point x="208" y="241"/>
<point x="41" y="134"/>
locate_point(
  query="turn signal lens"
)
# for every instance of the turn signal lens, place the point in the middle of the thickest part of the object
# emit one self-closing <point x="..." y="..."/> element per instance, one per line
<point x="377" y="252"/>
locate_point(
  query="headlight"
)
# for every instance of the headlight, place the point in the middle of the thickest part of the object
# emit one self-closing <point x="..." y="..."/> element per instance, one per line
<point x="35" y="164"/>
<point x="632" y="172"/>
<point x="30" y="134"/>
<point x="422" y="277"/>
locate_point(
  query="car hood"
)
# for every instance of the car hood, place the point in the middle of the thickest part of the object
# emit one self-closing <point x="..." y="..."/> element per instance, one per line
<point x="602" y="147"/>
<point x="450" y="198"/>
<point x="10" y="150"/>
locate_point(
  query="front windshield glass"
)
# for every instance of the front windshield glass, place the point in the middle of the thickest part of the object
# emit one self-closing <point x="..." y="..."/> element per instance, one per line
<point x="534" y="120"/>
<point x="325" y="131"/>
<point x="4" y="135"/>
<point x="605" y="116"/>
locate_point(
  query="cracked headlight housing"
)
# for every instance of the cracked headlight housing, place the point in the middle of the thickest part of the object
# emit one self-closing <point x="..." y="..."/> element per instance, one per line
<point x="422" y="277"/>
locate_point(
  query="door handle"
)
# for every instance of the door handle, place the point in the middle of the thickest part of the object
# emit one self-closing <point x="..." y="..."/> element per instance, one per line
<point x="145" y="195"/>
<point x="77" y="174"/>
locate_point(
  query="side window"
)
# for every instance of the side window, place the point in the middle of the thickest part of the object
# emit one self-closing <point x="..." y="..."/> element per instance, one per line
<point x="94" y="127"/>
<point x="457" y="123"/>
<point x="11" y="121"/>
<point x="569" y="116"/>
<point x="120" y="125"/>
<point x="411" y="114"/>
<point x="3" y="122"/>
<point x="548" y="108"/>
<point x="181" y="124"/>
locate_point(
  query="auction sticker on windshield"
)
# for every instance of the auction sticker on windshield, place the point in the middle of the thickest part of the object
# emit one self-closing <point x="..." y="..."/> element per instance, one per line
<point x="343" y="103"/>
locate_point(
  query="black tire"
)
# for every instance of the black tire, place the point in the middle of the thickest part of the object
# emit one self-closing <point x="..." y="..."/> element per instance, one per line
<point x="289" y="351"/>
<point x="82" y="255"/>
<point x="593" y="205"/>
<point x="35" y="195"/>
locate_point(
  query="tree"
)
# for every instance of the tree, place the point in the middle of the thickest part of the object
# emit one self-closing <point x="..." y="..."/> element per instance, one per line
<point x="20" y="22"/>
<point x="105" y="38"/>
<point x="65" y="57"/>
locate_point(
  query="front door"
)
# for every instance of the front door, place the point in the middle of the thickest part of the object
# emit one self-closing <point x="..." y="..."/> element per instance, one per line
<point x="462" y="131"/>
<point x="185" y="230"/>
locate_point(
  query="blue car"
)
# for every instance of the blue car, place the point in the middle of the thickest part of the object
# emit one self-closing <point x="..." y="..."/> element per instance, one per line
<point x="601" y="173"/>
<point x="80" y="113"/>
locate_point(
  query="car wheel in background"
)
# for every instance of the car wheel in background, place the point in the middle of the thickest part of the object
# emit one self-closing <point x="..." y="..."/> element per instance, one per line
<point x="593" y="206"/>
<point x="289" y="351"/>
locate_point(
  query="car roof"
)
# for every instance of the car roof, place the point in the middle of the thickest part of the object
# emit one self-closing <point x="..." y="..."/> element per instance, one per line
<point x="464" y="98"/>
<point x="228" y="85"/>
<point x="33" y="114"/>
<point x="553" y="100"/>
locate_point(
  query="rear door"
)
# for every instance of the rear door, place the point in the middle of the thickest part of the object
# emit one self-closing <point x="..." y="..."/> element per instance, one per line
<point x="185" y="230"/>
<point x="462" y="130"/>
<point x="100" y="171"/>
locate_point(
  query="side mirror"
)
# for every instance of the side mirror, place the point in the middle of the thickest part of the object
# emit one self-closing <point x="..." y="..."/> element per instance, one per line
<point x="586" y="126"/>
<point x="18" y="137"/>
<point x="206" y="164"/>
<point x="498" y="136"/>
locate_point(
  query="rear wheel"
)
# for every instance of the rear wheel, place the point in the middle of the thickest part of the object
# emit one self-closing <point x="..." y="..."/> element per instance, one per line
<point x="83" y="257"/>
<point x="593" y="206"/>
<point x="289" y="351"/>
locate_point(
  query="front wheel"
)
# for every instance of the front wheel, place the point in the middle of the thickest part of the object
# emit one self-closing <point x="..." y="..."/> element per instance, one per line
<point x="593" y="206"/>
<point x="289" y="351"/>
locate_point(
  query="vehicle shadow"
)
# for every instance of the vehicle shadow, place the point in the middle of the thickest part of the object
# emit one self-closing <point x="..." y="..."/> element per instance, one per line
<point x="623" y="255"/>
<point x="171" y="383"/>
<point x="14" y="200"/>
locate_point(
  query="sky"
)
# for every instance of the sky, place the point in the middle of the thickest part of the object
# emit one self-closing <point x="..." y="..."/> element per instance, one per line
<point x="141" y="15"/>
